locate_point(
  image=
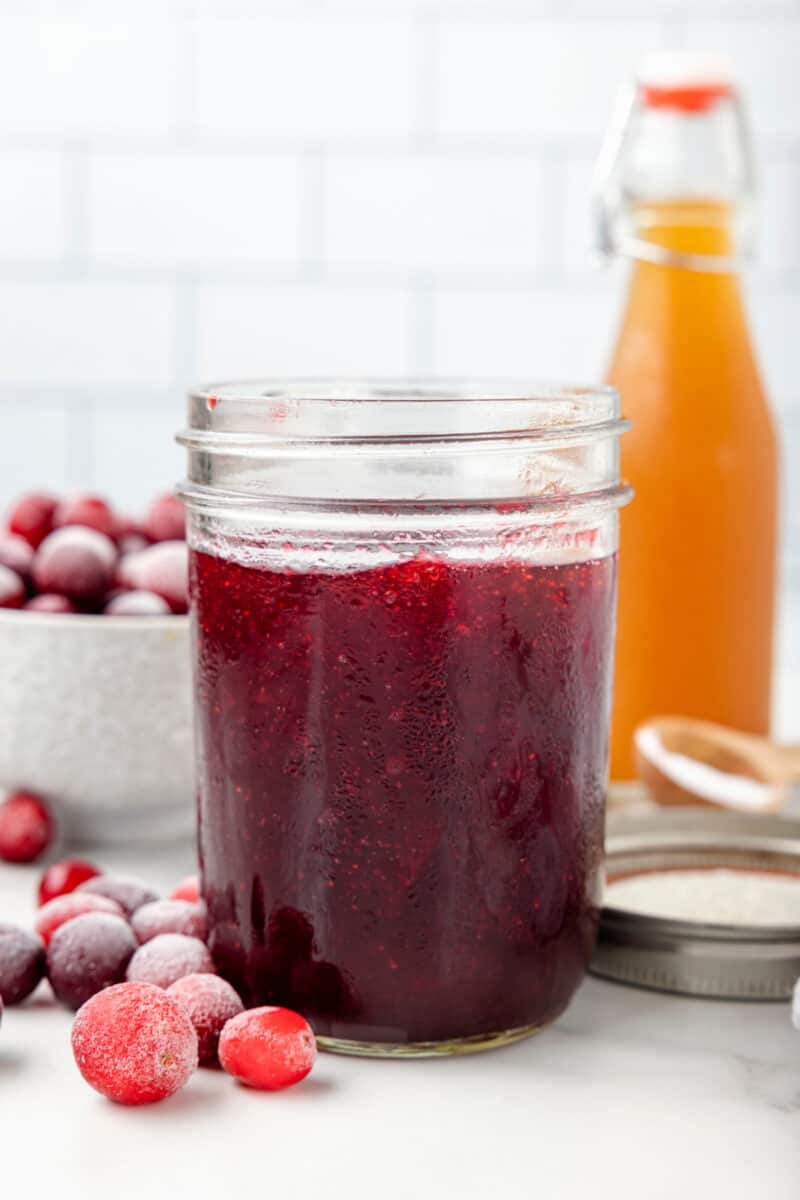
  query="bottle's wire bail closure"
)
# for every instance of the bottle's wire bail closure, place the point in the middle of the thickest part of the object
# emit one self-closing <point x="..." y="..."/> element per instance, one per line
<point x="615" y="235"/>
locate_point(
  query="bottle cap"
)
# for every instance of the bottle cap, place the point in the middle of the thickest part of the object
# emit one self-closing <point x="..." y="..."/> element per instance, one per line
<point x="684" y="81"/>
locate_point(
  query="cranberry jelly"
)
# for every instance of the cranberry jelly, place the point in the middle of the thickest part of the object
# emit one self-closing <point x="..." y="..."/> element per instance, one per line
<point x="402" y="777"/>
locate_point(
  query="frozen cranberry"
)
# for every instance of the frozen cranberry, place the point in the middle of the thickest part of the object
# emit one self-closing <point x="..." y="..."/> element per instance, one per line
<point x="137" y="604"/>
<point x="90" y="511"/>
<point x="26" y="827"/>
<point x="12" y="588"/>
<point x="55" y="913"/>
<point x="165" y="520"/>
<point x="75" y="562"/>
<point x="134" y="1044"/>
<point x="170" y="956"/>
<point x="132" y="543"/>
<point x="21" y="963"/>
<point x="32" y="517"/>
<point x="62" y="877"/>
<point x="268" y="1048"/>
<point x="16" y="553"/>
<point x="209" y="1002"/>
<point x="163" y="569"/>
<point x="187" y="889"/>
<point x="50" y="602"/>
<point x="129" y="894"/>
<point x="170" y="916"/>
<point x="87" y="954"/>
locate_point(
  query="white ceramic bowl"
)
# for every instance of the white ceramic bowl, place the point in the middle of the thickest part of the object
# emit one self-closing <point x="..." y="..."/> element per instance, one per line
<point x="95" y="715"/>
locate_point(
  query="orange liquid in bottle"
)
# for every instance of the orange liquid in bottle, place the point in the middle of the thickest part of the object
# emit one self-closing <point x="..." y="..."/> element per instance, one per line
<point x="698" y="544"/>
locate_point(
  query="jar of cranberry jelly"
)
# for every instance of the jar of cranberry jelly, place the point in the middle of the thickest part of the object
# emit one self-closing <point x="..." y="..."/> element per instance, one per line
<point x="402" y="599"/>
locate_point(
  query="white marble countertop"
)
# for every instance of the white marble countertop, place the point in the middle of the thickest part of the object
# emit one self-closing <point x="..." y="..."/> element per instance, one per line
<point x="631" y="1095"/>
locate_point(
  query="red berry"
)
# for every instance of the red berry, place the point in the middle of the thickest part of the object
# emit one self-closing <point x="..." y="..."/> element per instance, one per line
<point x="170" y="956"/>
<point x="49" y="602"/>
<point x="268" y="1048"/>
<point x="134" y="1044"/>
<point x="132" y="543"/>
<point x="32" y="517"/>
<point x="209" y="1002"/>
<point x="170" y="916"/>
<point x="16" y="553"/>
<point x="129" y="894"/>
<point x="187" y="889"/>
<point x="92" y="512"/>
<point x="163" y="569"/>
<point x="21" y="963"/>
<point x="75" y="562"/>
<point x="26" y="827"/>
<point x="87" y="954"/>
<point x="55" y="913"/>
<point x="62" y="877"/>
<point x="165" y="520"/>
<point x="137" y="604"/>
<point x="12" y="588"/>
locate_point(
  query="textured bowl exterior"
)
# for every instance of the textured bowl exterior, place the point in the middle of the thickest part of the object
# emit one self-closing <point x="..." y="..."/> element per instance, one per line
<point x="96" y="715"/>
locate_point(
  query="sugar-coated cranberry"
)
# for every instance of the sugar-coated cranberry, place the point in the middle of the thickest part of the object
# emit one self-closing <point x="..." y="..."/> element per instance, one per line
<point x="55" y="913"/>
<point x="163" y="569"/>
<point x="170" y="916"/>
<point x="87" y="954"/>
<point x="16" y="554"/>
<point x="26" y="827"/>
<point x="165" y="520"/>
<point x="12" y="588"/>
<point x="129" y="894"/>
<point x="132" y="543"/>
<point x="187" y="889"/>
<point x="209" y="1002"/>
<point x="268" y="1048"/>
<point x="21" y="963"/>
<point x="63" y="877"/>
<point x="75" y="562"/>
<point x="32" y="517"/>
<point x="137" y="604"/>
<point x="134" y="1044"/>
<point x="50" y="602"/>
<point x="92" y="512"/>
<point x="170" y="956"/>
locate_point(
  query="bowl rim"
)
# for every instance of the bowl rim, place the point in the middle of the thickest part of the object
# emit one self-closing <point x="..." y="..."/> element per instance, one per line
<point x="123" y="622"/>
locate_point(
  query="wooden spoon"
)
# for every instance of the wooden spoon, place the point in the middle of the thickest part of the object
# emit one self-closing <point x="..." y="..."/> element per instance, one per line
<point x="685" y="761"/>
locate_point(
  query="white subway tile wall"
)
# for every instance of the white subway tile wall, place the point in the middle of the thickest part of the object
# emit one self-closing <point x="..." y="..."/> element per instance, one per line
<point x="195" y="189"/>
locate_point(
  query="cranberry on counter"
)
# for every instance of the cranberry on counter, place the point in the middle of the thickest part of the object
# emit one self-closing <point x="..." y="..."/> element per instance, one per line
<point x="57" y="912"/>
<point x="168" y="957"/>
<point x="129" y="894"/>
<point x="22" y="963"/>
<point x="268" y="1048"/>
<point x="134" y="1044"/>
<point x="170" y="916"/>
<point x="26" y="827"/>
<point x="87" y="954"/>
<point x="209" y="1002"/>
<point x="63" y="877"/>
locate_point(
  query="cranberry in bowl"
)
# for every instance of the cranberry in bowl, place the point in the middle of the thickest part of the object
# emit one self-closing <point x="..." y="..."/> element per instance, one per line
<point x="402" y="600"/>
<point x="94" y="681"/>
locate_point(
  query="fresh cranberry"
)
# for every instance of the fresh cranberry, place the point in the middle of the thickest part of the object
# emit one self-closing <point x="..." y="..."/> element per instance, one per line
<point x="92" y="512"/>
<point x="137" y="604"/>
<point x="268" y="1048"/>
<point x="12" y="588"/>
<point x="170" y="956"/>
<point x="32" y="517"/>
<point x="187" y="889"/>
<point x="129" y="894"/>
<point x="55" y="913"/>
<point x="209" y="1002"/>
<point x="17" y="554"/>
<point x="163" y="569"/>
<point x="87" y="954"/>
<point x="21" y="963"/>
<point x="26" y="827"/>
<point x="75" y="562"/>
<point x="134" y="1044"/>
<point x="63" y="877"/>
<point x="170" y="916"/>
<point x="50" y="602"/>
<point x="165" y="520"/>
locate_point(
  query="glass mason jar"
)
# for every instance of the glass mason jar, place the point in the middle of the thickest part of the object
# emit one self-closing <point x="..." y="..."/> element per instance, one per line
<point x="402" y="598"/>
